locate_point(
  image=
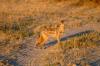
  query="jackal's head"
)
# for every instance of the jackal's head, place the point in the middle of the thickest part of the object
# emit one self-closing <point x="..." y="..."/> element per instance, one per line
<point x="61" y="26"/>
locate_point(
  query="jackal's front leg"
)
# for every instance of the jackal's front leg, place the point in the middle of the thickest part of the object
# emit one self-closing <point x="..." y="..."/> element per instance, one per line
<point x="59" y="46"/>
<point x="58" y="38"/>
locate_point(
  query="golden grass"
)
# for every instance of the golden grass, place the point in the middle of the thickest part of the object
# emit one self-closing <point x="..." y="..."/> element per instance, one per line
<point x="17" y="16"/>
<point x="86" y="40"/>
<point x="72" y="49"/>
<point x="12" y="32"/>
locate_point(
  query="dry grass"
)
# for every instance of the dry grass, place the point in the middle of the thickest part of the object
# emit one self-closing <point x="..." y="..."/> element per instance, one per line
<point x="18" y="19"/>
<point x="14" y="32"/>
<point x="85" y="40"/>
<point x="73" y="50"/>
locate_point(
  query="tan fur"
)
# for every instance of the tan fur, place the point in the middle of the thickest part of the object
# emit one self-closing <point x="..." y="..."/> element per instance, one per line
<point x="54" y="31"/>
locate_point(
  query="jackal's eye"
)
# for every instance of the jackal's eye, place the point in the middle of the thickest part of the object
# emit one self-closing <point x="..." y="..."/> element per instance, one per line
<point x="57" y="25"/>
<point x="62" y="21"/>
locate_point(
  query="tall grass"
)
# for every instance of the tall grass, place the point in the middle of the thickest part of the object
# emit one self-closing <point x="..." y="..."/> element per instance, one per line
<point x="14" y="31"/>
<point x="85" y="40"/>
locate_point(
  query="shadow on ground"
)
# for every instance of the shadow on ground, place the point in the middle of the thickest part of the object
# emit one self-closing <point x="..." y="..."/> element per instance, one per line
<point x="66" y="37"/>
<point x="96" y="63"/>
<point x="9" y="61"/>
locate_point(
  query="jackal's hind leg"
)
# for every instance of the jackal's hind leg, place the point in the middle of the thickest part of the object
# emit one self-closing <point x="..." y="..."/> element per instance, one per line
<point x="38" y="41"/>
<point x="43" y="43"/>
<point x="58" y="42"/>
<point x="41" y="40"/>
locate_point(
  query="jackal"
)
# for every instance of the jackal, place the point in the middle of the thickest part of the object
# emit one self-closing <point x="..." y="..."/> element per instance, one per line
<point x="54" y="31"/>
